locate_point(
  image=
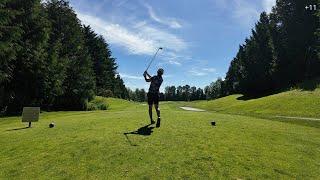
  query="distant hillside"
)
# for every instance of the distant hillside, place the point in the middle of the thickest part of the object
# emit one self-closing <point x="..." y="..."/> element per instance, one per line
<point x="300" y="102"/>
<point x="102" y="103"/>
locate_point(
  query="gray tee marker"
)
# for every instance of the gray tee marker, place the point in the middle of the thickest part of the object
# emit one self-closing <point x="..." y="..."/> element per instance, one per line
<point x="30" y="114"/>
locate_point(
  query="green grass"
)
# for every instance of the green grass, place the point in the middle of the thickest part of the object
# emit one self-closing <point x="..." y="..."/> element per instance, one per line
<point x="296" y="103"/>
<point x="92" y="145"/>
<point x="98" y="103"/>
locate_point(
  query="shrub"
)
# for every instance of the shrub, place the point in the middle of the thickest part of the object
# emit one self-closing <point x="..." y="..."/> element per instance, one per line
<point x="91" y="107"/>
<point x="105" y="93"/>
<point x="99" y="103"/>
<point x="103" y="106"/>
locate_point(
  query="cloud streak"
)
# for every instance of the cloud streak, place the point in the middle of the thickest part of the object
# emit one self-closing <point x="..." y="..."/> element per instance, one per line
<point x="119" y="35"/>
<point x="171" y="22"/>
<point x="209" y="69"/>
<point x="268" y="4"/>
<point x="140" y="39"/>
<point x="201" y="71"/>
<point x="127" y="76"/>
<point x="245" y="12"/>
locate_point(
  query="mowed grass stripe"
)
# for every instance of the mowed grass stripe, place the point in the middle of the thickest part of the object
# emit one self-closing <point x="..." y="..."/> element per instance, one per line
<point x="92" y="145"/>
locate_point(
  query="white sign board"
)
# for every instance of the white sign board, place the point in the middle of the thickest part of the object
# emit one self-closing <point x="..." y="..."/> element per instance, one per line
<point x="30" y="114"/>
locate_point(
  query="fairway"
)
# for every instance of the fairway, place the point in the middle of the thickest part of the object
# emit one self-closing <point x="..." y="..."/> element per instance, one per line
<point x="92" y="145"/>
<point x="139" y="89"/>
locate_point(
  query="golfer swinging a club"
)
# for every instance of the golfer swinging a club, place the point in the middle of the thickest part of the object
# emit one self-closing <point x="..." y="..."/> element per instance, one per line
<point x="153" y="94"/>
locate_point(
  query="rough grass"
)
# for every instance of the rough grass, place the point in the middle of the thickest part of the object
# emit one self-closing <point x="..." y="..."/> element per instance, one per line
<point x="296" y="103"/>
<point x="92" y="145"/>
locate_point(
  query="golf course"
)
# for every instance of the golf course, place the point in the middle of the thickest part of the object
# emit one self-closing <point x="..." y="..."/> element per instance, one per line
<point x="116" y="143"/>
<point x="138" y="89"/>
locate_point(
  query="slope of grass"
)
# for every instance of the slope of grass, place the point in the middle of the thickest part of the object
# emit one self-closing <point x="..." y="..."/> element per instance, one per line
<point x="120" y="104"/>
<point x="98" y="103"/>
<point x="296" y="103"/>
<point x="92" y="145"/>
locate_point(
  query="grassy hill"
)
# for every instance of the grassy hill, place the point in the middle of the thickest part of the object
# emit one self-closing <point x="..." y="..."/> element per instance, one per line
<point x="110" y="103"/>
<point x="293" y="103"/>
<point x="116" y="144"/>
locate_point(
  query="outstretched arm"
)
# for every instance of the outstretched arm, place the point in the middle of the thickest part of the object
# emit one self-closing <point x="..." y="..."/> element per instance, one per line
<point x="147" y="76"/>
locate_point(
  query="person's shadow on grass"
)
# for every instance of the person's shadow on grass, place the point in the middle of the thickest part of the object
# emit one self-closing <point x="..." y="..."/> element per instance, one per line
<point x="146" y="130"/>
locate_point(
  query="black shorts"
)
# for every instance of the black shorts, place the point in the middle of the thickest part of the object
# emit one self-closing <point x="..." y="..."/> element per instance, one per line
<point x="153" y="98"/>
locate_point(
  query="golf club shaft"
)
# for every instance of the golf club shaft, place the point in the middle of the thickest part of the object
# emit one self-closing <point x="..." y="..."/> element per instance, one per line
<point x="152" y="59"/>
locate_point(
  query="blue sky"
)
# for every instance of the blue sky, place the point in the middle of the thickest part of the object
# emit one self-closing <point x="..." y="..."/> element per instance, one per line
<point x="199" y="37"/>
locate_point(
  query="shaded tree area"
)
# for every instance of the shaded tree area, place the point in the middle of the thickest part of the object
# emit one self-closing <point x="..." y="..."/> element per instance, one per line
<point x="49" y="59"/>
<point x="215" y="89"/>
<point x="10" y="33"/>
<point x="139" y="95"/>
<point x="183" y="93"/>
<point x="171" y="93"/>
<point x="282" y="51"/>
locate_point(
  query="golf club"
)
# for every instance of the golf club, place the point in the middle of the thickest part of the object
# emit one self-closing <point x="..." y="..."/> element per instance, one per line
<point x="160" y="48"/>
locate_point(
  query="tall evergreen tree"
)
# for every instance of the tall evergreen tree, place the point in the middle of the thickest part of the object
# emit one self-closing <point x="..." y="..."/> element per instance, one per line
<point x="297" y="27"/>
<point x="233" y="76"/>
<point x="179" y="93"/>
<point x="103" y="63"/>
<point x="70" y="58"/>
<point x="193" y="95"/>
<point x="27" y="84"/>
<point x="10" y="34"/>
<point x="170" y="93"/>
<point x="317" y="61"/>
<point x="200" y="94"/>
<point x="186" y="93"/>
<point x="281" y="51"/>
<point x="260" y="59"/>
<point x="120" y="90"/>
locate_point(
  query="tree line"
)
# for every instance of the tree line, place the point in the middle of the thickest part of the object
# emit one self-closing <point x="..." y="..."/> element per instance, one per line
<point x="49" y="59"/>
<point x="172" y="93"/>
<point x="184" y="93"/>
<point x="283" y="50"/>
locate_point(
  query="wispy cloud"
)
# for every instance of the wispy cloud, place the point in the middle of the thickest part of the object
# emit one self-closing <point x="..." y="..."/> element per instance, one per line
<point x="162" y="38"/>
<point x="127" y="76"/>
<point x="120" y="3"/>
<point x="140" y="39"/>
<point x="171" y="22"/>
<point x="268" y="4"/>
<point x="119" y="35"/>
<point x="201" y="71"/>
<point x="195" y="72"/>
<point x="173" y="58"/>
<point x="209" y="69"/>
<point x="245" y="12"/>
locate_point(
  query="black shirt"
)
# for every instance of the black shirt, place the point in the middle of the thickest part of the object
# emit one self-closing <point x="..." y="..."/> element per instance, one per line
<point x="156" y="82"/>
